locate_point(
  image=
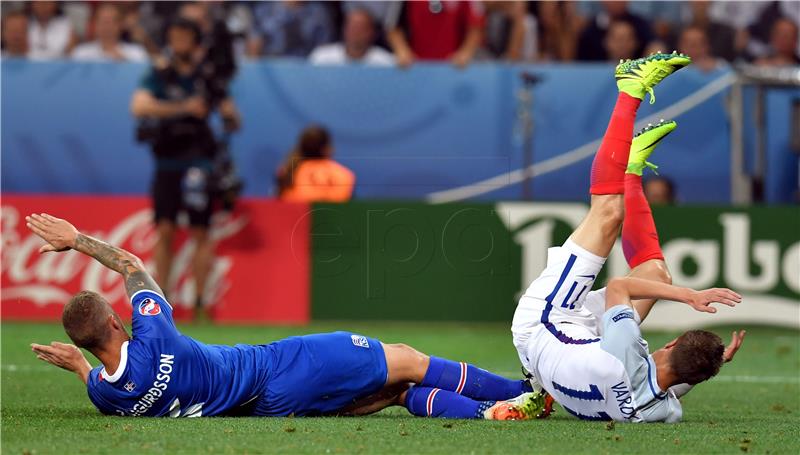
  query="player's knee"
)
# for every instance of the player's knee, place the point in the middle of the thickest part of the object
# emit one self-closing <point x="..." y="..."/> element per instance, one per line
<point x="663" y="275"/>
<point x="655" y="270"/>
<point x="411" y="353"/>
<point x="610" y="212"/>
<point x="414" y="364"/>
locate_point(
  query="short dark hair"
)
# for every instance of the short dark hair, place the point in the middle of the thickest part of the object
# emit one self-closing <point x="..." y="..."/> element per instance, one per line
<point x="188" y="25"/>
<point x="84" y="319"/>
<point x="696" y="356"/>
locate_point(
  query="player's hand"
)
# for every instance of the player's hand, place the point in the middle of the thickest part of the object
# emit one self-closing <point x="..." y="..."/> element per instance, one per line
<point x="62" y="355"/>
<point x="59" y="234"/>
<point x="736" y="343"/>
<point x="702" y="300"/>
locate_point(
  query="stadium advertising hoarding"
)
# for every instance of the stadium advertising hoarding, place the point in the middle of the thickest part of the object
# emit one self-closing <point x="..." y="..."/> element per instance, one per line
<point x="286" y="263"/>
<point x="256" y="276"/>
<point x="472" y="261"/>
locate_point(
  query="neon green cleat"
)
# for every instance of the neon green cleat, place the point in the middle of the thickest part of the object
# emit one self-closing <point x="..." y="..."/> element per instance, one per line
<point x="528" y="406"/>
<point x="643" y="144"/>
<point x="638" y="77"/>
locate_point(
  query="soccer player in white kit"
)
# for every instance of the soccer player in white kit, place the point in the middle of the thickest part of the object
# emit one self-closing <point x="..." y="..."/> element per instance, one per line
<point x="584" y="347"/>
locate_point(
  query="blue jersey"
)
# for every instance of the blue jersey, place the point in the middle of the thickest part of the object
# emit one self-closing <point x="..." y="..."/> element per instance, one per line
<point x="164" y="373"/>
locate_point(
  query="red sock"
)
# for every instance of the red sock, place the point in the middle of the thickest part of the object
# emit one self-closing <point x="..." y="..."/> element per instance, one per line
<point x="611" y="160"/>
<point x="639" y="236"/>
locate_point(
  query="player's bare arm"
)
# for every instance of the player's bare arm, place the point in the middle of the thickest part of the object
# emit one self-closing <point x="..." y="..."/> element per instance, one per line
<point x="60" y="235"/>
<point x="66" y="356"/>
<point x="621" y="291"/>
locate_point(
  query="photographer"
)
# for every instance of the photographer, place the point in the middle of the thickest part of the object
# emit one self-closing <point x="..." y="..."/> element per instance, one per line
<point x="173" y="103"/>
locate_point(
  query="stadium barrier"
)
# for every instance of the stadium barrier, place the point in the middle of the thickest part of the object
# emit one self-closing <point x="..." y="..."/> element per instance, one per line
<point x="432" y="131"/>
<point x="288" y="263"/>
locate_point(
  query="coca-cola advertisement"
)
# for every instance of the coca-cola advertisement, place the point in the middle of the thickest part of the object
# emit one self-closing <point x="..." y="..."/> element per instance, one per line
<point x="260" y="272"/>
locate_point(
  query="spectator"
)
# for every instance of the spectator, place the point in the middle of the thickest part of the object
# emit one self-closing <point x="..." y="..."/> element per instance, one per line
<point x="132" y="27"/>
<point x="289" y="28"/>
<point x="723" y="39"/>
<point x="173" y="107"/>
<point x="357" y="47"/>
<point x="510" y="32"/>
<point x="435" y="30"/>
<point x="108" y="46"/>
<point x="659" y="190"/>
<point x="656" y="47"/>
<point x="378" y="9"/>
<point x="591" y="45"/>
<point x="559" y="28"/>
<point x="49" y="33"/>
<point x="663" y="17"/>
<point x="737" y="15"/>
<point x="620" y="42"/>
<point x="782" y="44"/>
<point x="15" y="35"/>
<point x="310" y="174"/>
<point x="694" y="42"/>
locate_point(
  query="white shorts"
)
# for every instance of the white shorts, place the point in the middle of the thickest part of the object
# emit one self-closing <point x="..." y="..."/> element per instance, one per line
<point x="556" y="330"/>
<point x="555" y="300"/>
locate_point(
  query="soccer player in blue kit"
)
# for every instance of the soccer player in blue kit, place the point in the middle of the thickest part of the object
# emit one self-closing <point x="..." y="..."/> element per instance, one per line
<point x="161" y="372"/>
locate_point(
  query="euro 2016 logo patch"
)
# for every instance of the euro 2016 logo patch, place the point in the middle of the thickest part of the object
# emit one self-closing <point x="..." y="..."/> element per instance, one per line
<point x="621" y="316"/>
<point x="360" y="341"/>
<point x="149" y="307"/>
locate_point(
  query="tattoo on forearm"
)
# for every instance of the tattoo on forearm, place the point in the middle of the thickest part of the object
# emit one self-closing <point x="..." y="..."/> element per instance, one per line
<point x="119" y="260"/>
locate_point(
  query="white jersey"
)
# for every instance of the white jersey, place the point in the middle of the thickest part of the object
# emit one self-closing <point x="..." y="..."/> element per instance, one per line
<point x="593" y="377"/>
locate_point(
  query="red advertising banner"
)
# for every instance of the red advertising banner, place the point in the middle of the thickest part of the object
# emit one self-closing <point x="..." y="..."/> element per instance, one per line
<point x="260" y="273"/>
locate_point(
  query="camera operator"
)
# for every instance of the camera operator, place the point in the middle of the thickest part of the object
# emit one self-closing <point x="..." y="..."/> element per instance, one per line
<point x="173" y="103"/>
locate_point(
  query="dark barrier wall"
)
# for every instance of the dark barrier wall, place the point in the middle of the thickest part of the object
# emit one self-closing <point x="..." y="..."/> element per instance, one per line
<point x="67" y="129"/>
<point x="472" y="261"/>
<point x="412" y="261"/>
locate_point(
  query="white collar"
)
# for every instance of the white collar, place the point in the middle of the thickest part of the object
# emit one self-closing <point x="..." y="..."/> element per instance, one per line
<point x="123" y="362"/>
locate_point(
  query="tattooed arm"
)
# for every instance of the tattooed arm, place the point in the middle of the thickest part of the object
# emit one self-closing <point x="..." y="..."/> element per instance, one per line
<point x="60" y="235"/>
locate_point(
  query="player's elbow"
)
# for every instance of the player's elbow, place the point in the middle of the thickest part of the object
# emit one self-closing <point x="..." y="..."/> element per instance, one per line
<point x="616" y="292"/>
<point x="133" y="261"/>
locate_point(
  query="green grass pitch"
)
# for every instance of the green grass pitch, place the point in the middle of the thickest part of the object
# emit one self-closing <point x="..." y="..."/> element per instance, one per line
<point x="754" y="406"/>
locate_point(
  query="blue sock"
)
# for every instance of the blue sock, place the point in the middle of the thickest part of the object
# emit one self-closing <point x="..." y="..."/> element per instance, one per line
<point x="430" y="402"/>
<point x="471" y="381"/>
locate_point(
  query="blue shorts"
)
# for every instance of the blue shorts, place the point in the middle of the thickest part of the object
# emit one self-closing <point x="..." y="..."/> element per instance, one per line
<point x="319" y="374"/>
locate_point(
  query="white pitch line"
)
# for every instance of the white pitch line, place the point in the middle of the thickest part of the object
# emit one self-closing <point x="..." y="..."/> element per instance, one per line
<point x="579" y="153"/>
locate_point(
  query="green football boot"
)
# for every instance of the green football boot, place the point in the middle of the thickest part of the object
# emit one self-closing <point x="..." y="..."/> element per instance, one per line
<point x="638" y="77"/>
<point x="643" y="144"/>
<point x="528" y="406"/>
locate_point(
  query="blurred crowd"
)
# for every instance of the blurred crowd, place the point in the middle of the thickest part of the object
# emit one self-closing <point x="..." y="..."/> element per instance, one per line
<point x="399" y="33"/>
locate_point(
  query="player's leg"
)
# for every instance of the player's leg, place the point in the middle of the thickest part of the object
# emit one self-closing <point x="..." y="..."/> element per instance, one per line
<point x="640" y="242"/>
<point x="406" y="364"/>
<point x="598" y="231"/>
<point x="386" y="397"/>
<point x="456" y="390"/>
